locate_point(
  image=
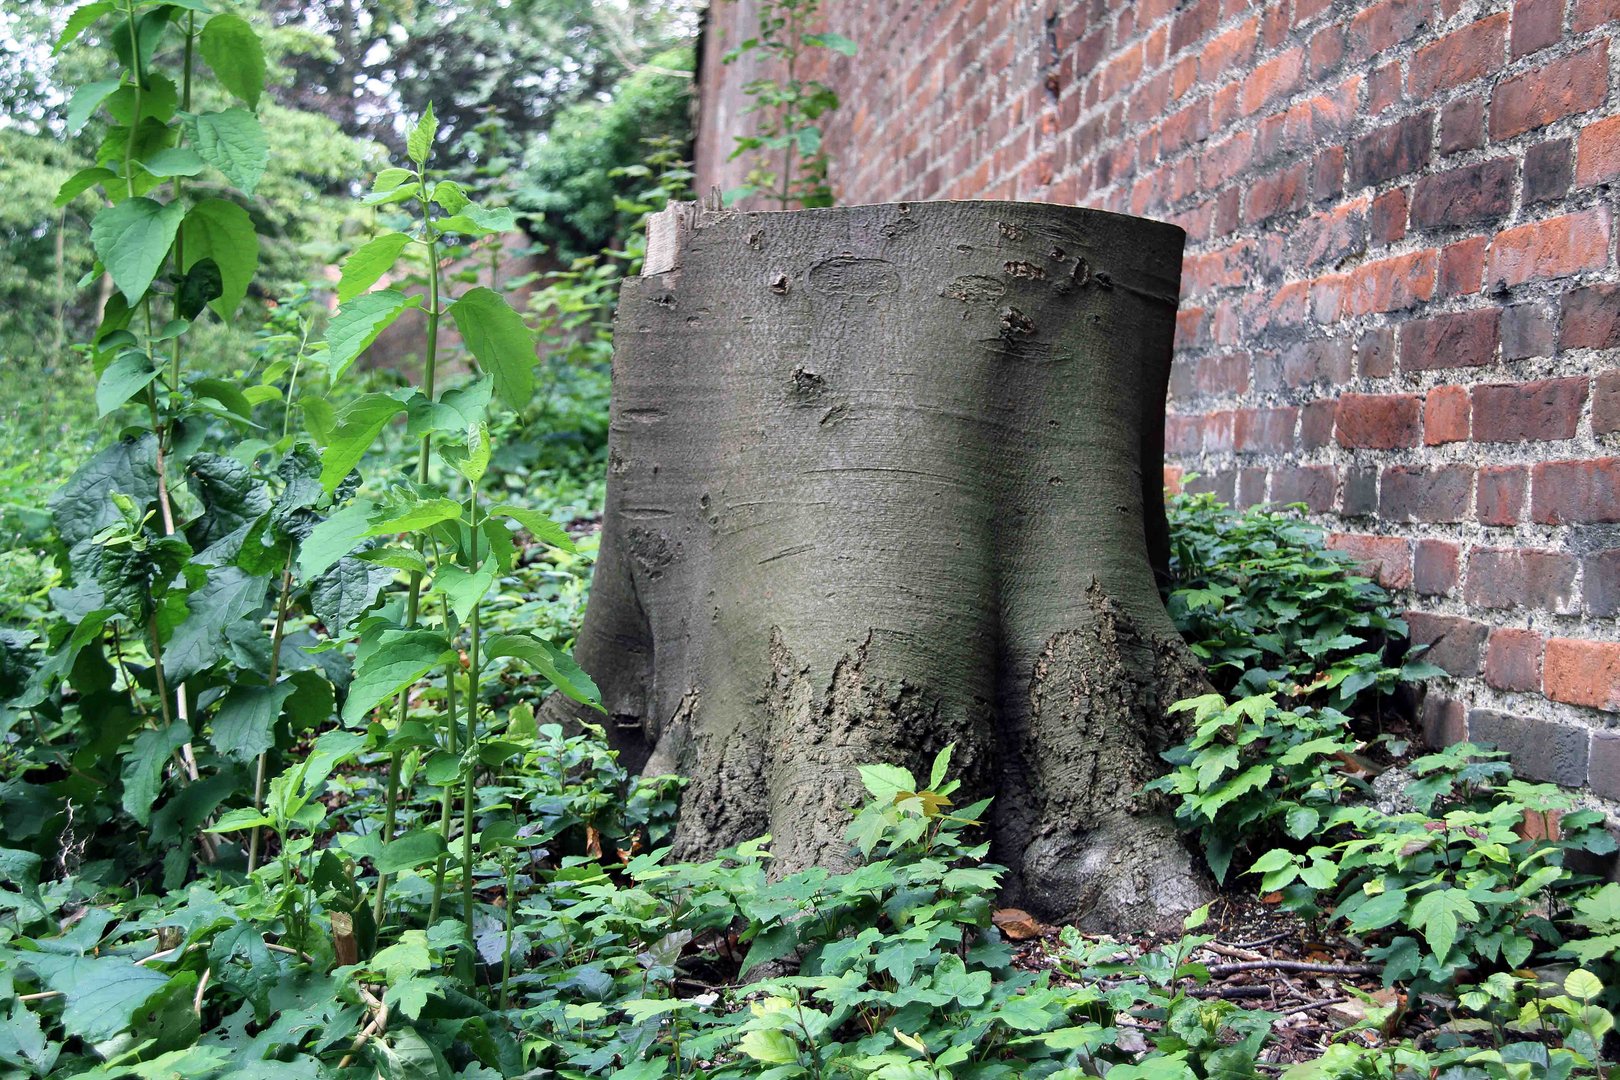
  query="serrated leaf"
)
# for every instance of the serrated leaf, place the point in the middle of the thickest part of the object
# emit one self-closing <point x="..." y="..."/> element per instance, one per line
<point x="143" y="767"/>
<point x="173" y="161"/>
<point x="83" y="506"/>
<point x="464" y="590"/>
<point x="389" y="179"/>
<point x="132" y="239"/>
<point x="227" y="597"/>
<point x="537" y="524"/>
<point x="347" y="591"/>
<point x="398" y="659"/>
<point x="357" y="324"/>
<point x="230" y="494"/>
<point x="232" y="49"/>
<point x="478" y="221"/>
<point x="232" y="142"/>
<point x="556" y="666"/>
<point x="81" y="182"/>
<point x="503" y="345"/>
<point x="417" y="848"/>
<point x="419" y="143"/>
<point x="369" y="262"/>
<point x="245" y="725"/>
<point x="1583" y="985"/>
<point x="356" y="429"/>
<point x="220" y="230"/>
<point x="83" y="18"/>
<point x="125" y="377"/>
<point x="102" y="992"/>
<point x="471" y="460"/>
<point x="412" y="516"/>
<point x="85" y="101"/>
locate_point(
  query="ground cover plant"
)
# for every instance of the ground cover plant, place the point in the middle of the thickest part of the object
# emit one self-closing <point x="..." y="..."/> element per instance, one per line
<point x="275" y="800"/>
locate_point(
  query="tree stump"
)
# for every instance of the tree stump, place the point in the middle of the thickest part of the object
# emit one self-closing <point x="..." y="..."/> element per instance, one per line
<point x="888" y="477"/>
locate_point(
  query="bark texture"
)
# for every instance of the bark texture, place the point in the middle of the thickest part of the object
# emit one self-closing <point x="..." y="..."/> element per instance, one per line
<point x="888" y="477"/>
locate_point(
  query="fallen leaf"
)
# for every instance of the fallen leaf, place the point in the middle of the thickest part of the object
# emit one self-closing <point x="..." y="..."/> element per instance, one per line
<point x="1017" y="924"/>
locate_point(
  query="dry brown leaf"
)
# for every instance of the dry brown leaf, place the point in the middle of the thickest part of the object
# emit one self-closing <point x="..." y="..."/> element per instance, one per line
<point x="1017" y="924"/>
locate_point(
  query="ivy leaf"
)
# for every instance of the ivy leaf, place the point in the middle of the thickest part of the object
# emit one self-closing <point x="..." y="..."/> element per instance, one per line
<point x="347" y="591"/>
<point x="83" y="506"/>
<point x="357" y="324"/>
<point x="464" y="589"/>
<point x="356" y="429"/>
<point x="245" y="725"/>
<point x="398" y="659"/>
<point x="232" y="49"/>
<point x="369" y="262"/>
<point x="220" y="230"/>
<point x="83" y="18"/>
<point x="556" y="666"/>
<point x="499" y="339"/>
<point x="419" y="143"/>
<point x="232" y="142"/>
<point x="132" y="239"/>
<point x="227" y="597"/>
<point x="143" y="767"/>
<point x="230" y="494"/>
<point x="125" y="377"/>
<point x="102" y="992"/>
<point x="85" y="101"/>
<point x="537" y="524"/>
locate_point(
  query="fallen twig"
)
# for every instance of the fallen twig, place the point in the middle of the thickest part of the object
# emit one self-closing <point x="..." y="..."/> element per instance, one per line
<point x="1309" y="1005"/>
<point x="1217" y="970"/>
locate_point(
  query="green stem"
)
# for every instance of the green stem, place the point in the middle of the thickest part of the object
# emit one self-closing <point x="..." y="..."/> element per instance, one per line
<point x="472" y="730"/>
<point x="414" y="595"/>
<point x="506" y="953"/>
<point x="446" y="796"/>
<point x="270" y="677"/>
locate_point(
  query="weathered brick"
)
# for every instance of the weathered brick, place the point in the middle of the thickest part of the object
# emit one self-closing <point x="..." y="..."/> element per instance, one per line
<point x="1461" y="56"/>
<point x="1536" y="25"/>
<point x="1499" y="494"/>
<point x="1387" y="222"/>
<point x="1604" y="773"/>
<point x="1434" y="567"/>
<point x="1437" y="493"/>
<point x="1462" y="125"/>
<point x="1273" y="80"/>
<point x="1378" y="27"/>
<point x="1547" y="171"/>
<point x="1553" y="248"/>
<point x="1454" y="643"/>
<point x="1375" y="353"/>
<point x="1598" y="152"/>
<point x="1537" y="749"/>
<point x="1606" y="403"/>
<point x="1360" y="496"/>
<point x="1547" y="92"/>
<point x="1392" y="284"/>
<point x="1463" y="339"/>
<point x="1563" y="491"/>
<point x="1386" y="559"/>
<point x="1591" y="318"/>
<point x="1531" y="411"/>
<point x="1265" y="430"/>
<point x="1462" y="266"/>
<point x="1591" y="14"/>
<point x="1600" y="583"/>
<point x="1394" y="150"/>
<point x="1312" y="485"/>
<point x="1316" y="423"/>
<point x="1445" y="415"/>
<point x="1251" y="487"/>
<point x="1582" y="672"/>
<point x="1379" y="421"/>
<point x="1526" y="332"/>
<point x="1513" y="659"/>
<point x="1444" y="721"/>
<point x="1521" y="578"/>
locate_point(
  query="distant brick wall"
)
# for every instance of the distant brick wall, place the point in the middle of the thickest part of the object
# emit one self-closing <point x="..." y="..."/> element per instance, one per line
<point x="1401" y="301"/>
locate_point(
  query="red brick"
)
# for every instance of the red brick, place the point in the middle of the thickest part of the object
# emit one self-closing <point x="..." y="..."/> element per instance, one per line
<point x="1434" y="567"/>
<point x="1386" y="559"/>
<point x="1521" y="578"/>
<point x="1461" y="56"/>
<point x="1375" y="353"/>
<point x="1436" y="493"/>
<point x="1444" y="721"/>
<point x="1577" y="491"/>
<point x="1462" y="125"/>
<point x="1194" y="23"/>
<point x="1600" y="582"/>
<point x="1251" y="487"/>
<point x="1591" y="318"/>
<point x="1597" y="155"/>
<point x="1316" y="423"/>
<point x="1526" y="332"/>
<point x="1273" y="80"/>
<point x="1281" y="192"/>
<point x="1499" y="494"/>
<point x="1388" y="221"/>
<point x="1553" y="248"/>
<point x="1479" y="192"/>
<point x="1547" y="172"/>
<point x="1591" y="14"/>
<point x="1559" y="88"/>
<point x="1445" y="415"/>
<point x="1265" y="430"/>
<point x="1379" y="421"/>
<point x="1183" y="434"/>
<point x="1312" y="485"/>
<point x="1604" y="775"/>
<point x="1606" y="403"/>
<point x="1536" y="25"/>
<point x="1455" y="644"/>
<point x="1531" y="411"/>
<point x="1397" y="149"/>
<point x="1462" y="267"/>
<point x="1326" y="50"/>
<point x="1384" y="88"/>
<point x="1379" y="27"/>
<point x="1462" y="339"/>
<point x="1393" y="284"/>
<point x="1581" y="672"/>
<point x="1513" y="659"/>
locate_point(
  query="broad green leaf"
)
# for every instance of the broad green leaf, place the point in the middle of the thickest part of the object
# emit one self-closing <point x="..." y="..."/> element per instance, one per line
<point x="886" y="782"/>
<point x="125" y="377"/>
<point x="229" y="597"/>
<point x="83" y="506"/>
<point x="477" y="221"/>
<point x="220" y="230"/>
<point x="232" y="142"/>
<point x="102" y="992"/>
<point x="240" y="820"/>
<point x="398" y="659"/>
<point x="390" y="178"/>
<point x="85" y="101"/>
<point x="412" y="516"/>
<point x="84" y="16"/>
<point x="464" y="590"/>
<point x="1583" y="985"/>
<point x="347" y="591"/>
<point x="369" y="262"/>
<point x="537" y="524"/>
<point x="132" y="239"/>
<point x="836" y="42"/>
<point x="143" y="767"/>
<point x="357" y="428"/>
<point x="245" y="725"/>
<point x="416" y="848"/>
<point x="557" y="666"/>
<point x="335" y="537"/>
<point x="456" y="408"/>
<point x="230" y="494"/>
<point x="202" y="285"/>
<point x="471" y="460"/>
<point x="174" y="161"/>
<point x="232" y="49"/>
<point x="450" y="196"/>
<point x="772" y="1046"/>
<point x="497" y="336"/>
<point x="1437" y="914"/>
<point x="81" y="182"/>
<point x="357" y="324"/>
<point x="419" y="143"/>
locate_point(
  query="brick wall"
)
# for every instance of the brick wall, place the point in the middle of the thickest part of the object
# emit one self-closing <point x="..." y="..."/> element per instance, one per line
<point x="1401" y="302"/>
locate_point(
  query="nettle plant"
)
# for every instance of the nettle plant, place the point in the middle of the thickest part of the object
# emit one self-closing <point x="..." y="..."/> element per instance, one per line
<point x="789" y="165"/>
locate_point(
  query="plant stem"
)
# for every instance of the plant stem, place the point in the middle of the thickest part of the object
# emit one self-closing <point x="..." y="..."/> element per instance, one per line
<point x="472" y="729"/>
<point x="270" y="677"/>
<point x="446" y="797"/>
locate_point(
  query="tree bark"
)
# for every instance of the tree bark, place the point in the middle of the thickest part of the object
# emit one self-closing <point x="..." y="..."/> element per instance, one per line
<point x="888" y="477"/>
